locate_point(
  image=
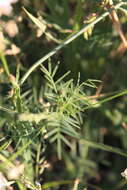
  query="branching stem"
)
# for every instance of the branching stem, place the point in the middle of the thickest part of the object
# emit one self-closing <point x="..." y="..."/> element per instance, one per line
<point x="66" y="42"/>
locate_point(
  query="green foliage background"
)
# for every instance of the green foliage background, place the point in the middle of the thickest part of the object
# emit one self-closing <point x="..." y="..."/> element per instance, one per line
<point x="51" y="124"/>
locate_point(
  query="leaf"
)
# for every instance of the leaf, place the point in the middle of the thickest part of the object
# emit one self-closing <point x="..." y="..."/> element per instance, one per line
<point x="52" y="132"/>
<point x="69" y="133"/>
<point x="65" y="141"/>
<point x="103" y="147"/>
<point x="61" y="78"/>
<point x="36" y="21"/>
<point x="59" y="148"/>
<point x="49" y="77"/>
<point x="73" y="122"/>
<point x="5" y="145"/>
<point x="55" y="69"/>
<point x="54" y="138"/>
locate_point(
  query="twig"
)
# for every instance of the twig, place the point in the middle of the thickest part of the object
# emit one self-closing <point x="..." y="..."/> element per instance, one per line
<point x="116" y="22"/>
<point x="124" y="92"/>
<point x="66" y="42"/>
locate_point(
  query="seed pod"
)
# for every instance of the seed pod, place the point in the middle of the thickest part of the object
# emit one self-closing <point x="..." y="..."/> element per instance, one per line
<point x="90" y="30"/>
<point x="104" y="2"/>
<point x="88" y="20"/>
<point x="85" y="34"/>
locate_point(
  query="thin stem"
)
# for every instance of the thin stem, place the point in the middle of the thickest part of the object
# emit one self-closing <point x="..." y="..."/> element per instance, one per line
<point x="124" y="92"/>
<point x="4" y="62"/>
<point x="66" y="42"/>
<point x="116" y="22"/>
<point x="104" y="147"/>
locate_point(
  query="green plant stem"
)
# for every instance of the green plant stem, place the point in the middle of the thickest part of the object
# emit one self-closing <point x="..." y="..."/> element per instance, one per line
<point x="124" y="92"/>
<point x="37" y="117"/>
<point x="4" y="62"/>
<point x="103" y="147"/>
<point x="66" y="42"/>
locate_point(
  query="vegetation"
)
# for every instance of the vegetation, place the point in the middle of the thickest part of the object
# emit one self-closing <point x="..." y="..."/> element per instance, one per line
<point x="63" y="94"/>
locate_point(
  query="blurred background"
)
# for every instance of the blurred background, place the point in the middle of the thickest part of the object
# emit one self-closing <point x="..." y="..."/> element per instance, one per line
<point x="102" y="56"/>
